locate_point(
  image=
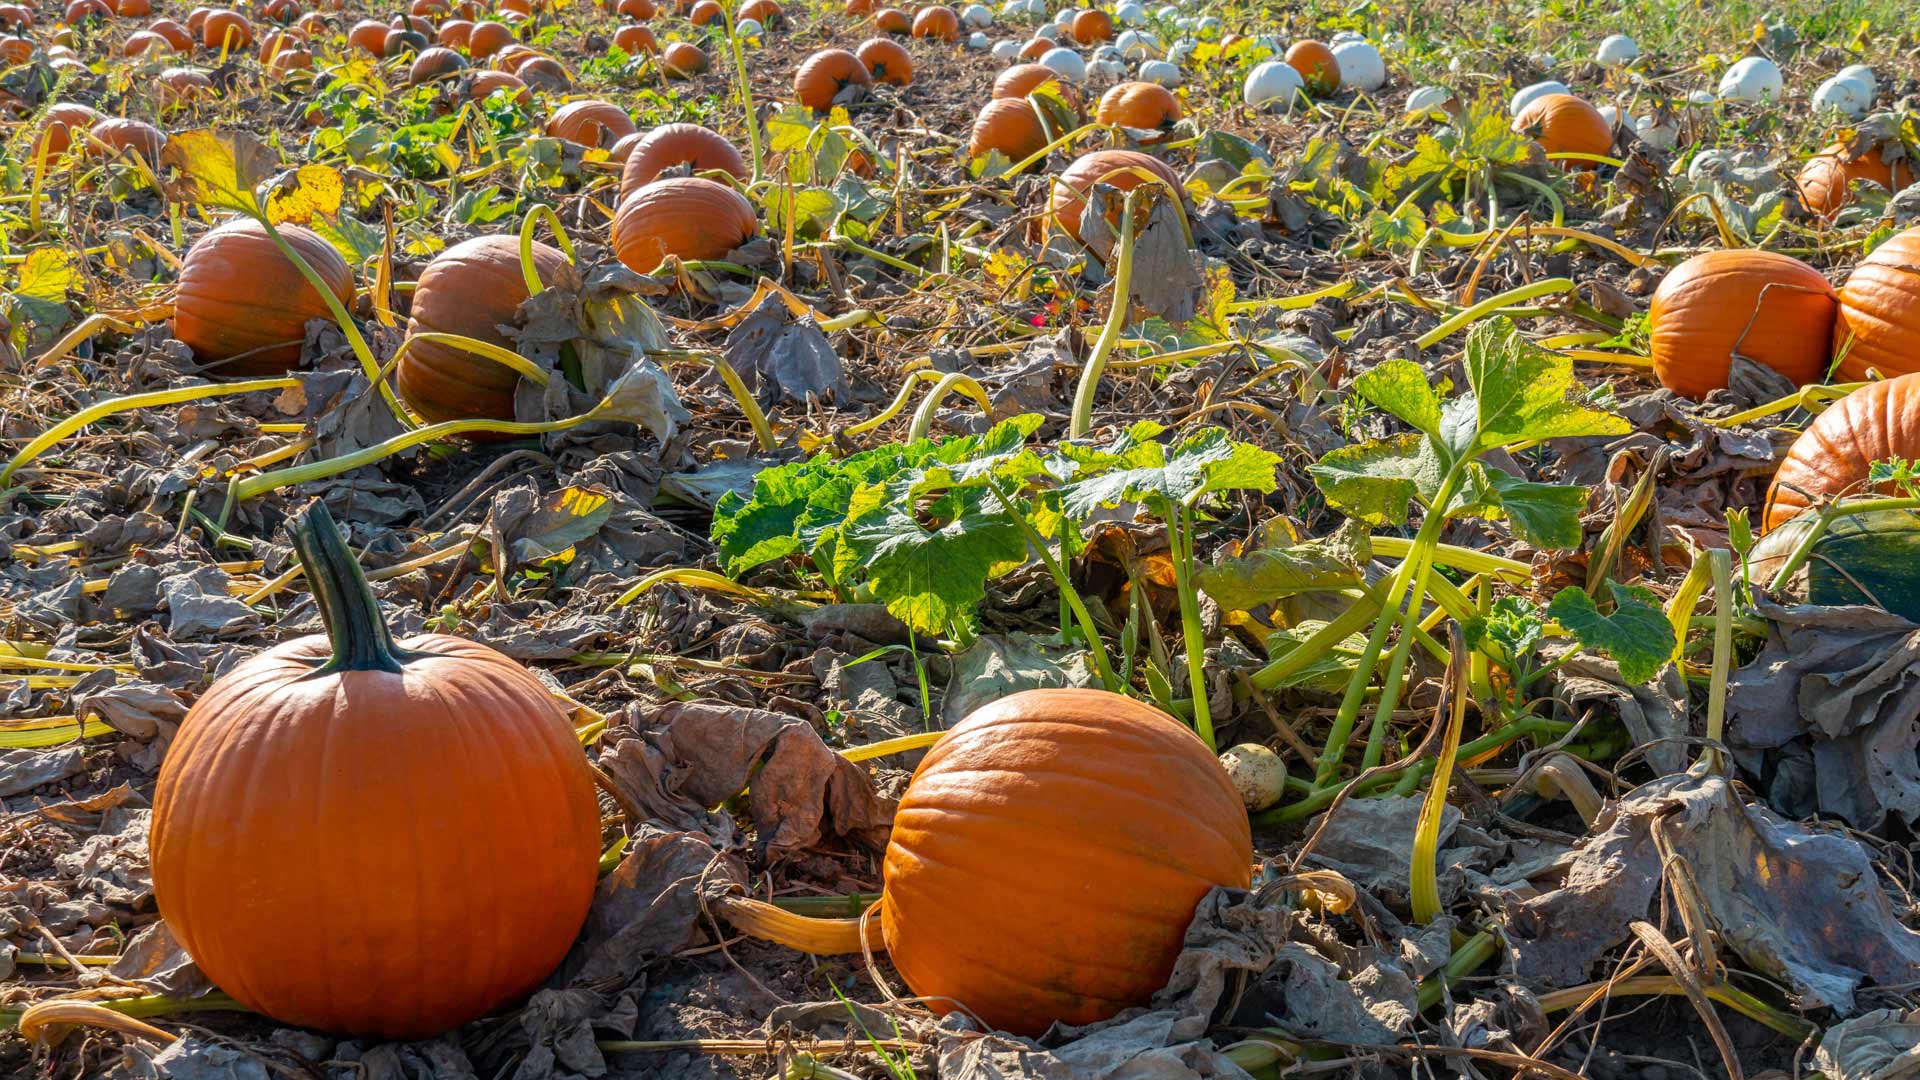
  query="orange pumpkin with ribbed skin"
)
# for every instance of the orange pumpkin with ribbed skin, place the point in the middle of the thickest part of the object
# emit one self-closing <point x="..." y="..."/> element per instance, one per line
<point x="176" y="35"/>
<point x="403" y="43"/>
<point x="357" y="737"/>
<point x="518" y="7"/>
<point x="487" y="38"/>
<point x="80" y="10"/>
<point x="226" y="30"/>
<point x="279" y="41"/>
<point x="590" y="123"/>
<point x="1770" y="308"/>
<point x="281" y="11"/>
<point x="1564" y="124"/>
<point x="1035" y="49"/>
<point x="19" y="50"/>
<point x="1142" y="105"/>
<point x="821" y="77"/>
<point x="1091" y="27"/>
<point x="178" y="86"/>
<point x="414" y="23"/>
<point x="684" y="59"/>
<point x="1825" y="182"/>
<point x="938" y="22"/>
<point x="1881" y="420"/>
<point x="435" y="64"/>
<point x="857" y="7"/>
<point x="1317" y="66"/>
<point x="706" y="11"/>
<point x="638" y="9"/>
<point x="887" y="60"/>
<point x="455" y="33"/>
<point x="287" y="60"/>
<point x="546" y="73"/>
<point x="314" y="24"/>
<point x="482" y="85"/>
<point x="1877" y="325"/>
<point x="689" y="217"/>
<point x="197" y="18"/>
<point x="1022" y="79"/>
<point x="57" y="129"/>
<point x="764" y="12"/>
<point x="508" y="58"/>
<point x="429" y="9"/>
<point x="132" y="136"/>
<point x="1010" y="126"/>
<point x="138" y="43"/>
<point x="15" y="17"/>
<point x="132" y="9"/>
<point x="244" y="306"/>
<point x="636" y="40"/>
<point x="369" y="36"/>
<point x="892" y="21"/>
<point x="1083" y="801"/>
<point x="471" y="289"/>
<point x="679" y="144"/>
<point x="1115" y="168"/>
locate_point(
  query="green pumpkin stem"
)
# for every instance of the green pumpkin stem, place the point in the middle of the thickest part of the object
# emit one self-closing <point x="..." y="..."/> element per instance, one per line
<point x="361" y="641"/>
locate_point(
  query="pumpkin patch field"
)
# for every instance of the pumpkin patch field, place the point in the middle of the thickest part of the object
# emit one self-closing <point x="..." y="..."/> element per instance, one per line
<point x="1108" y="540"/>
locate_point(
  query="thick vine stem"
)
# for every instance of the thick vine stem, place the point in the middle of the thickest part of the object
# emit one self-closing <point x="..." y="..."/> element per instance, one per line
<point x="47" y="439"/>
<point x="1423" y="874"/>
<point x="359" y="636"/>
<point x="1462" y="319"/>
<point x="816" y="937"/>
<point x="1082" y="418"/>
<point x="1180" y="533"/>
<point x="535" y="215"/>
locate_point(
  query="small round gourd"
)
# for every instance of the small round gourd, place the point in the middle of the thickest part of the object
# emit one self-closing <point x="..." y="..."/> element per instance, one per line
<point x="1318" y="68"/>
<point x="1754" y="79"/>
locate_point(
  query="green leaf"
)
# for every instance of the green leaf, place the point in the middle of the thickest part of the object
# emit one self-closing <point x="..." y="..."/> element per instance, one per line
<point x="931" y="575"/>
<point x="1544" y="515"/>
<point x="1509" y="632"/>
<point x="789" y="128"/>
<point x="1375" y="481"/>
<point x="1521" y="391"/>
<point x="1401" y="388"/>
<point x="1206" y="462"/>
<point x="1637" y="636"/>
<point x="1281" y="565"/>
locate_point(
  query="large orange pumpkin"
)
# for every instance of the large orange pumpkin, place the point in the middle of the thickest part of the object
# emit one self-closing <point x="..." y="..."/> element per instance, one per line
<point x="1564" y="124"/>
<point x="590" y="123"/>
<point x="129" y="136"/>
<point x="1091" y="27"/>
<point x="369" y="35"/>
<point x="241" y="305"/>
<point x="57" y="128"/>
<point x="892" y="21"/>
<point x="487" y="38"/>
<point x="705" y="12"/>
<point x="764" y="12"/>
<point x="1770" y="308"/>
<point x="1022" y="79"/>
<point x="180" y="86"/>
<point x="1121" y="169"/>
<point x="226" y="29"/>
<point x="1142" y="105"/>
<point x="821" y="77"/>
<point x="679" y="144"/>
<point x="455" y="33"/>
<point x="1317" y="66"/>
<point x="483" y="84"/>
<point x="638" y="9"/>
<point x="138" y="43"/>
<point x="1010" y="126"/>
<point x="133" y="9"/>
<point x="1825" y="182"/>
<point x="471" y="289"/>
<point x="687" y="216"/>
<point x="1878" y="323"/>
<point x="887" y="60"/>
<point x="15" y="17"/>
<point x="81" y="10"/>
<point x="299" y="793"/>
<point x="1831" y="457"/>
<point x="684" y="60"/>
<point x="176" y="35"/>
<point x="197" y="18"/>
<point x="636" y="40"/>
<point x="1083" y="802"/>
<point x="546" y="73"/>
<point x="435" y="64"/>
<point x="936" y="21"/>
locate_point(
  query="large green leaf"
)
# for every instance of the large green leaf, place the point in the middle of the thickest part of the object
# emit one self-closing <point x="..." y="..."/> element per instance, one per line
<point x="1375" y="481"/>
<point x="1544" y="515"/>
<point x="1521" y="391"/>
<point x="931" y="574"/>
<point x="1204" y="463"/>
<point x="1401" y="388"/>
<point x="1637" y="635"/>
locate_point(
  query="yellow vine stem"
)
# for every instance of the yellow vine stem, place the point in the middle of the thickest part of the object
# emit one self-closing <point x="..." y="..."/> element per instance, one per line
<point x="1598" y="356"/>
<point x="295" y="572"/>
<point x="1459" y="558"/>
<point x="1425" y="892"/>
<point x="45" y="1021"/>
<point x="1581" y="997"/>
<point x="1460" y="320"/>
<point x="40" y="147"/>
<point x="685" y="575"/>
<point x="87" y="327"/>
<point x="1680" y="608"/>
<point x="762" y="431"/>
<point x="503" y="356"/>
<point x="887" y="747"/>
<point x="1727" y="238"/>
<point x="950" y="382"/>
<point x="802" y="933"/>
<point x="36" y="663"/>
<point x="1040" y="155"/>
<point x="56" y="1011"/>
<point x="1575" y="155"/>
<point x="1720" y="561"/>
<point x="1812" y="398"/>
<point x="102" y="409"/>
<point x="1564" y="232"/>
<point x="40" y="732"/>
<point x="1337" y="290"/>
<point x="535" y="215"/>
<point x="1082" y="417"/>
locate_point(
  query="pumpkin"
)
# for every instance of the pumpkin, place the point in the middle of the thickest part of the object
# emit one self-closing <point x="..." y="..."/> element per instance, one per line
<point x="242" y="305"/>
<point x="281" y="11"/>
<point x="357" y="736"/>
<point x="1564" y="124"/>
<point x="435" y="64"/>
<point x="1317" y="66"/>
<point x="471" y="289"/>
<point x="510" y="57"/>
<point x="127" y="136"/>
<point x="132" y="8"/>
<point x="638" y="9"/>
<point x="1771" y="308"/>
<point x="892" y="21"/>
<point x="1866" y="558"/>
<point x="546" y="73"/>
<point x="197" y="18"/>
<point x="887" y="60"/>
<point x="81" y="10"/>
<point x="1116" y="168"/>
<point x="1831" y="457"/>
<point x="414" y="23"/>
<point x="679" y="144"/>
<point x="403" y="43"/>
<point x="636" y="40"/>
<point x="1009" y="125"/>
<point x="176" y="35"/>
<point x="1877" y="325"/>
<point x="287" y="60"/>
<point x="279" y="41"/>
<point x="455" y="33"/>
<point x="820" y="78"/>
<point x="178" y="86"/>
<point x="138" y="43"/>
<point x="314" y="24"/>
<point x="622" y="151"/>
<point x="764" y="12"/>
<point x="15" y="17"/>
<point x="58" y="126"/>
<point x="19" y="50"/>
<point x="1022" y="79"/>
<point x="227" y="30"/>
<point x="431" y="9"/>
<point x="683" y="60"/>
<point x="487" y="38"/>
<point x="1091" y="27"/>
<point x="706" y="11"/>
<point x="482" y="85"/>
<point x="590" y="123"/>
<point x="1825" y="182"/>
<point x="369" y="35"/>
<point x="688" y="217"/>
<point x="1084" y="802"/>
<point x="1142" y="105"/>
<point x="936" y="21"/>
<point x="857" y="7"/>
<point x="518" y="7"/>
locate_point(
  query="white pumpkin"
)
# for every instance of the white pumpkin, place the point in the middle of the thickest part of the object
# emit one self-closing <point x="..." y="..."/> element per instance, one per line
<point x="1526" y="94"/>
<point x="977" y="41"/>
<point x="1130" y="14"/>
<point x="1273" y="85"/>
<point x="1067" y="64"/>
<point x="1159" y="71"/>
<point x="747" y="30"/>
<point x="1753" y="79"/>
<point x="1361" y="67"/>
<point x="1427" y="99"/>
<point x="1610" y="114"/>
<point x="1617" y="50"/>
<point x="978" y="16"/>
<point x="1862" y="74"/>
<point x="1654" y="133"/>
<point x="1006" y="51"/>
<point x="1847" y="96"/>
<point x="1207" y="28"/>
<point x="1138" y="44"/>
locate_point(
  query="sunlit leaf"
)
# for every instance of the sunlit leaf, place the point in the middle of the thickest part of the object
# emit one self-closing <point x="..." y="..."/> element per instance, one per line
<point x="308" y="191"/>
<point x="1637" y="636"/>
<point x="219" y="168"/>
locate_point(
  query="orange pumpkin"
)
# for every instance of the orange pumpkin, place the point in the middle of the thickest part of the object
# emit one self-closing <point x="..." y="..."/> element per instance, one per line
<point x="937" y="21"/>
<point x="1825" y="183"/>
<point x="1091" y="27"/>
<point x="471" y="289"/>
<point x="138" y="43"/>
<point x="314" y="24"/>
<point x="821" y="78"/>
<point x="688" y="217"/>
<point x="81" y="10"/>
<point x="287" y="60"/>
<point x="176" y="35"/>
<point x="197" y="18"/>
<point x="887" y="60"/>
<point x="679" y="144"/>
<point x="487" y="38"/>
<point x="430" y="9"/>
<point x="455" y="33"/>
<point x="1877" y="325"/>
<point x="518" y="7"/>
<point x="683" y="60"/>
<point x="1317" y="66"/>
<point x="132" y="9"/>
<point x="281" y="11"/>
<point x="636" y="40"/>
<point x="509" y="58"/>
<point x="590" y="123"/>
<point x="764" y="12"/>
<point x="1022" y="79"/>
<point x="279" y="41"/>
<point x="1771" y="308"/>
<point x="15" y="17"/>
<point x="857" y="7"/>
<point x="226" y="29"/>
<point x="1120" y="169"/>
<point x="414" y="23"/>
<point x="1564" y="124"/>
<point x="482" y="85"/>
<point x="179" y="86"/>
<point x="892" y="21"/>
<point x="58" y="126"/>
<point x="369" y="36"/>
<point x="1881" y="420"/>
<point x="1010" y="126"/>
<point x="1036" y="48"/>
<point x="435" y="64"/>
<point x="706" y="11"/>
<point x="1142" y="105"/>
<point x="358" y="733"/>
<point x="127" y="136"/>
<point x="244" y="306"/>
<point x="638" y="9"/>
<point x="546" y="73"/>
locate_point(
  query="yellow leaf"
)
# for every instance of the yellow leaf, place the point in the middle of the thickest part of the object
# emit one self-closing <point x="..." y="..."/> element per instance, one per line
<point x="310" y="190"/>
<point x="218" y="168"/>
<point x="46" y="274"/>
